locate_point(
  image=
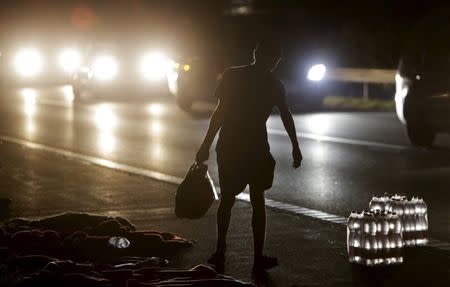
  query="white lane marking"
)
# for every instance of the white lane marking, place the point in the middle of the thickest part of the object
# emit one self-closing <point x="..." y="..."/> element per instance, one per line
<point x="295" y="209"/>
<point x="96" y="160"/>
<point x="318" y="137"/>
<point x="291" y="208"/>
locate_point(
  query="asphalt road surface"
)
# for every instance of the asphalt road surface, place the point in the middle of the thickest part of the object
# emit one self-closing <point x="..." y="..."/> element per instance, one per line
<point x="348" y="157"/>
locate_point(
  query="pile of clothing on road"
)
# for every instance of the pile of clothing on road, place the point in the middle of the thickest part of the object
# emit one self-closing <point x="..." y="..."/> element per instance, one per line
<point x="74" y="249"/>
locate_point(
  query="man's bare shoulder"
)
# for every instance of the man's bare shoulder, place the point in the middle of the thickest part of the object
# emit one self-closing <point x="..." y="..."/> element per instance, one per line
<point x="235" y="70"/>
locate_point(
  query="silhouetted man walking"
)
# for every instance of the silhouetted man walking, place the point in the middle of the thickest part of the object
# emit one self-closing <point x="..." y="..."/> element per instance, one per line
<point x="247" y="95"/>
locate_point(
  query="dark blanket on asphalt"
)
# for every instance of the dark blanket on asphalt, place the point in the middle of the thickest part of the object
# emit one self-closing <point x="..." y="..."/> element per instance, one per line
<point x="72" y="249"/>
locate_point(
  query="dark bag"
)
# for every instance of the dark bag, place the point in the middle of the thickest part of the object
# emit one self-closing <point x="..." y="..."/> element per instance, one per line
<point x="196" y="193"/>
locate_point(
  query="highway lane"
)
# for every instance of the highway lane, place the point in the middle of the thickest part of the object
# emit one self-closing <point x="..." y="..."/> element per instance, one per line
<point x="363" y="153"/>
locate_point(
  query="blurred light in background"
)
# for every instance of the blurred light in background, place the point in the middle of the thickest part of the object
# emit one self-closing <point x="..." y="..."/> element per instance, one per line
<point x="29" y="98"/>
<point x="318" y="124"/>
<point x="104" y="118"/>
<point x="106" y="142"/>
<point x="172" y="77"/>
<point x="155" y="109"/>
<point x="106" y="121"/>
<point x="319" y="152"/>
<point x="29" y="108"/>
<point x="30" y="128"/>
<point x="157" y="152"/>
<point x="317" y="72"/>
<point x="156" y="128"/>
<point x="67" y="91"/>
<point x="28" y="62"/>
<point x="155" y="66"/>
<point x="69" y="60"/>
<point x="186" y="67"/>
<point x="105" y="68"/>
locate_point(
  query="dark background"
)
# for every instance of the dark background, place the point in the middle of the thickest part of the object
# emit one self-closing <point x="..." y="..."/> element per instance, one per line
<point x="344" y="33"/>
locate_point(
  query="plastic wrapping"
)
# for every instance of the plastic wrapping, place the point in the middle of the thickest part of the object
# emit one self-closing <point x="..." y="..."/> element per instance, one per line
<point x="412" y="213"/>
<point x="374" y="238"/>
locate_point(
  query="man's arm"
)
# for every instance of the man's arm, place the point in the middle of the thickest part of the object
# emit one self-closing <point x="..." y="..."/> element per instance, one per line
<point x="288" y="122"/>
<point x="214" y="126"/>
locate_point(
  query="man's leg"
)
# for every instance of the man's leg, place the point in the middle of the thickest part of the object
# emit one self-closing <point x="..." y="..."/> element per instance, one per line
<point x="258" y="221"/>
<point x="259" y="229"/>
<point x="223" y="221"/>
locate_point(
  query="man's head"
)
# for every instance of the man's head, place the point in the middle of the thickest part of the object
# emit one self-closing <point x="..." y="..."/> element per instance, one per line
<point x="267" y="54"/>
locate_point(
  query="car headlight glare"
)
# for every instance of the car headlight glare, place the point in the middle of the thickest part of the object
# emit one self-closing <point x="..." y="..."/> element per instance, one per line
<point x="317" y="72"/>
<point x="155" y="66"/>
<point x="69" y="60"/>
<point x="28" y="62"/>
<point x="105" y="68"/>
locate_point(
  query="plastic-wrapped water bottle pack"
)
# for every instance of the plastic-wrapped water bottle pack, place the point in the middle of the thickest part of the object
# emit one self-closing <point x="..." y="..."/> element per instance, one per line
<point x="377" y="236"/>
<point x="412" y="213"/>
<point x="374" y="238"/>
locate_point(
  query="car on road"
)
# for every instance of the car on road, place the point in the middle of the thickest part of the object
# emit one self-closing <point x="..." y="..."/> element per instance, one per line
<point x="110" y="68"/>
<point x="37" y="62"/>
<point x="423" y="84"/>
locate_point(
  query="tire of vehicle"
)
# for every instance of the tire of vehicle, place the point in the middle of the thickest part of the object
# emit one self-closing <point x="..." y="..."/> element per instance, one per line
<point x="420" y="135"/>
<point x="184" y="103"/>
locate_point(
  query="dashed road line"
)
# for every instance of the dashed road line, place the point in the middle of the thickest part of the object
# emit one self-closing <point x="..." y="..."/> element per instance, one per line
<point x="274" y="204"/>
<point x="299" y="210"/>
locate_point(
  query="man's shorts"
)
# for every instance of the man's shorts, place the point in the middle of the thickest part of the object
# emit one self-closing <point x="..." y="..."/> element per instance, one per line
<point x="236" y="172"/>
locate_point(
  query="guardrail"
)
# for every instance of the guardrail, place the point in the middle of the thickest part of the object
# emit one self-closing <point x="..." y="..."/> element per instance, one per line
<point x="364" y="76"/>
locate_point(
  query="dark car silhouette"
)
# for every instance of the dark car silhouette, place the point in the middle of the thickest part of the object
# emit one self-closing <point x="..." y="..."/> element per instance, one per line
<point x="423" y="81"/>
<point x="109" y="68"/>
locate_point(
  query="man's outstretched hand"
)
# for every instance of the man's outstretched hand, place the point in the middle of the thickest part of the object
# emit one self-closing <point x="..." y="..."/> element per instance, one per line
<point x="297" y="157"/>
<point x="202" y="154"/>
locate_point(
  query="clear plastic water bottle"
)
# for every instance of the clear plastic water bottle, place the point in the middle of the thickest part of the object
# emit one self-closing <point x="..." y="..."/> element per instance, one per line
<point x="412" y="220"/>
<point x="396" y="207"/>
<point x="375" y="203"/>
<point x="119" y="242"/>
<point x="350" y="235"/>
<point x="386" y="215"/>
<point x="386" y="202"/>
<point x="358" y="238"/>
<point x="370" y="243"/>
<point x="378" y="246"/>
<point x="422" y="221"/>
<point x="385" y="241"/>
<point x="380" y="202"/>
<point x="397" y="240"/>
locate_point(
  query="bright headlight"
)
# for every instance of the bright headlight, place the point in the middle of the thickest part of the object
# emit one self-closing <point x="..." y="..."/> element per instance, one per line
<point x="105" y="68"/>
<point x="28" y="62"/>
<point x="69" y="60"/>
<point x="317" y="72"/>
<point x="155" y="66"/>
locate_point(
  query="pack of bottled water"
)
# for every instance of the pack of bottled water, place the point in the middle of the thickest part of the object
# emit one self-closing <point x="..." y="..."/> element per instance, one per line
<point x="374" y="238"/>
<point x="412" y="214"/>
